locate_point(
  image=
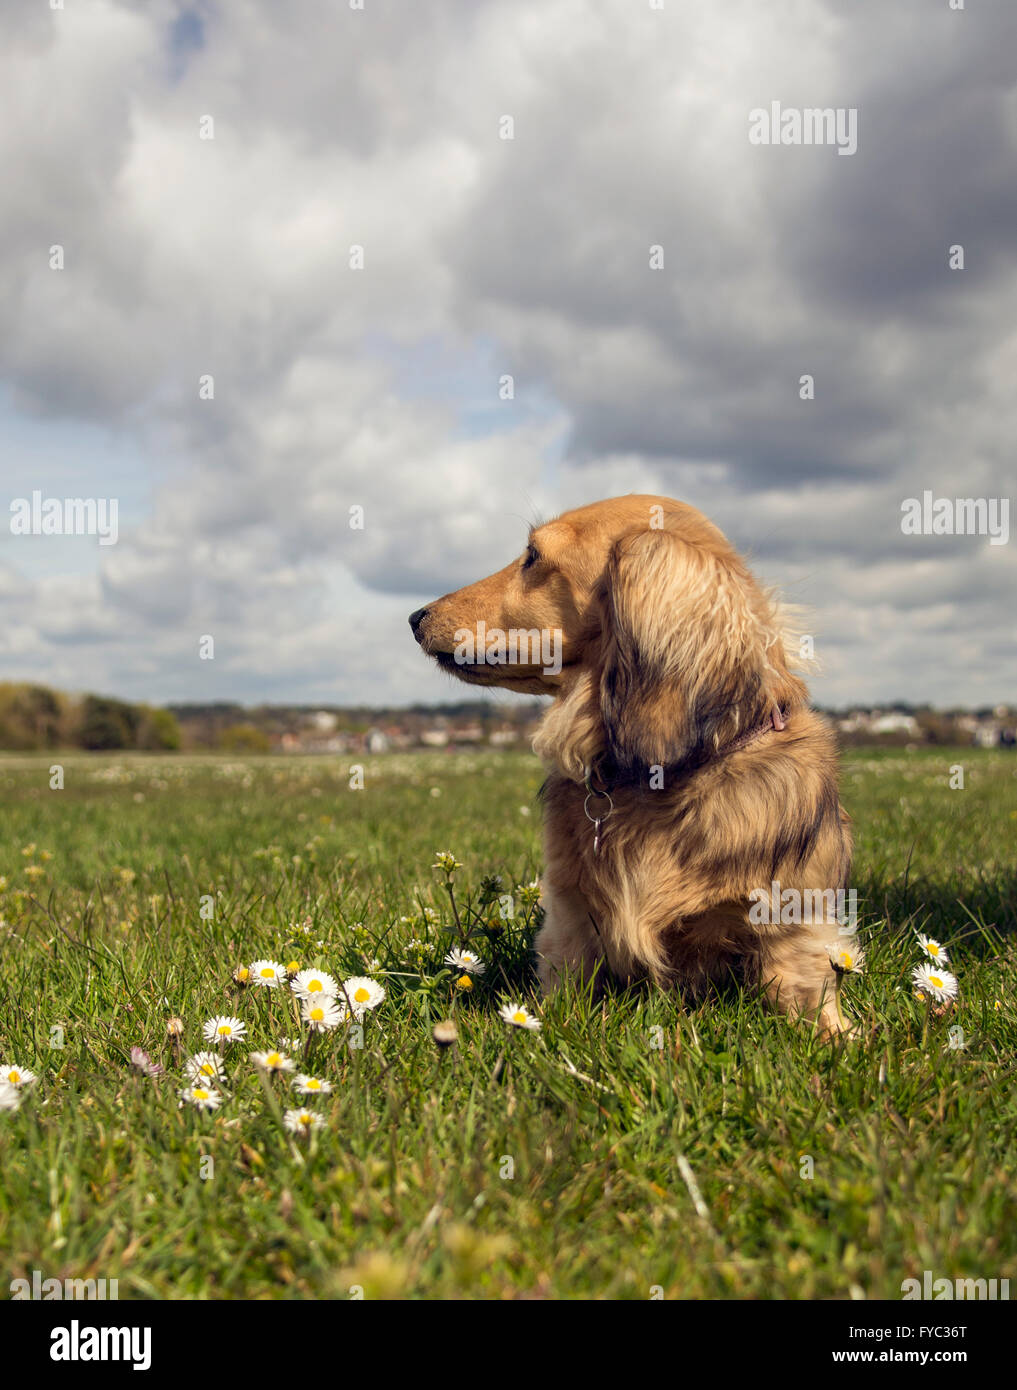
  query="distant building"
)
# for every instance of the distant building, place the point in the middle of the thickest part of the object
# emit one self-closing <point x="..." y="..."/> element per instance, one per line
<point x="893" y="724"/>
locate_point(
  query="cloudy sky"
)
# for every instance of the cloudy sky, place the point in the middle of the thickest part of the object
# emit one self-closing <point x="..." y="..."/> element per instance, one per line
<point x="336" y="387"/>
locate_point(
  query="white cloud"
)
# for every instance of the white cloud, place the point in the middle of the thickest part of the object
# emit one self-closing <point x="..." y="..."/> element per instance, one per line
<point x="336" y="387"/>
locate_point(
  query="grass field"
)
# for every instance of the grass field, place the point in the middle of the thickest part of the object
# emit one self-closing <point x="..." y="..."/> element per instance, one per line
<point x="624" y="1147"/>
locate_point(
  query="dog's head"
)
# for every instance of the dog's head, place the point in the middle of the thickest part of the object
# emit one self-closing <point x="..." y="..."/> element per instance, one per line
<point x="639" y="615"/>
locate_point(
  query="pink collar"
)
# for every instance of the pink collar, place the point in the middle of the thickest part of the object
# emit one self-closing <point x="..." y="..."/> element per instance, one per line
<point x="775" y="722"/>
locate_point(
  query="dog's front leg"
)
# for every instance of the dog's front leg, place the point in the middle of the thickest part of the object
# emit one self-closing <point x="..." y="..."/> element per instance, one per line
<point x="800" y="981"/>
<point x="567" y="943"/>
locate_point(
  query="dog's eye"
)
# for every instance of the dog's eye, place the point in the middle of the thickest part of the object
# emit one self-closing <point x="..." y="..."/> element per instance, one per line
<point x="531" y="557"/>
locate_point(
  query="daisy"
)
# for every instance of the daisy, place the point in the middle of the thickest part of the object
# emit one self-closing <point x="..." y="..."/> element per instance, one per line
<point x="16" y="1076"/>
<point x="274" y="1062"/>
<point x="931" y="980"/>
<point x="308" y="982"/>
<point x="311" y="1085"/>
<point x="302" y="1121"/>
<point x="201" y="1097"/>
<point x="322" y="1013"/>
<point x="10" y="1096"/>
<point x="143" y="1064"/>
<point x="267" y="973"/>
<point x="846" y="959"/>
<point x="242" y="976"/>
<point x="363" y="994"/>
<point x="223" y="1029"/>
<point x="519" y="1016"/>
<point x="466" y="960"/>
<point x="204" y="1067"/>
<point x="933" y="949"/>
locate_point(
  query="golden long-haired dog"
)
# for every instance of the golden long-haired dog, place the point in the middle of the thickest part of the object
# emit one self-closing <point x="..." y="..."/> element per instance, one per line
<point x="690" y="785"/>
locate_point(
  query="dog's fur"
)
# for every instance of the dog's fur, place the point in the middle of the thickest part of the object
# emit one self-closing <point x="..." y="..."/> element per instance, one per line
<point x="674" y="663"/>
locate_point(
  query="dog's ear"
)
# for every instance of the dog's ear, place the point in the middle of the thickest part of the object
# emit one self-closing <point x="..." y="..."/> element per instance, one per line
<point x="692" y="656"/>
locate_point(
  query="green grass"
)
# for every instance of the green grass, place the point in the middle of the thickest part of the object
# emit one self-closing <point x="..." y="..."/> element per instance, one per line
<point x="556" y="1164"/>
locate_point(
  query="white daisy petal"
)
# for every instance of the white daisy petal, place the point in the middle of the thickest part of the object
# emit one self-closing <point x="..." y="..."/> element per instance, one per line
<point x="845" y="957"/>
<point x="362" y="993"/>
<point x="204" y="1067"/>
<point x="307" y="983"/>
<point x="519" y="1016"/>
<point x="274" y="1062"/>
<point x="10" y="1096"/>
<point x="311" y="1085"/>
<point x="223" y="1029"/>
<point x="321" y="1012"/>
<point x="933" y="949"/>
<point x="15" y="1075"/>
<point x="930" y="979"/>
<point x="302" y="1121"/>
<point x="201" y="1097"/>
<point x="269" y="974"/>
<point x="467" y="961"/>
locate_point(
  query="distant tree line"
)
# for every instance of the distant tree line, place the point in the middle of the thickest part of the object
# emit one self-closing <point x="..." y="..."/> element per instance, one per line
<point x="33" y="717"/>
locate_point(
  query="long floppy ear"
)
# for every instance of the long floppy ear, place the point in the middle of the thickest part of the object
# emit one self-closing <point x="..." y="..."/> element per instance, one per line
<point x="693" y="651"/>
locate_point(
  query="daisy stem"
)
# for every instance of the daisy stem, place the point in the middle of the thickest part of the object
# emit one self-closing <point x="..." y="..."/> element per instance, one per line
<point x="455" y="911"/>
<point x="836" y="1000"/>
<point x="273" y="1105"/>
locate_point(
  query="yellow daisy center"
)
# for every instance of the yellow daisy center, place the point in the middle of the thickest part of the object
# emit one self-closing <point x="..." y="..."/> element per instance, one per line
<point x="312" y="1084"/>
<point x="273" y="1059"/>
<point x="200" y="1094"/>
<point x="464" y="982"/>
<point x="314" y="987"/>
<point x="224" y="1030"/>
<point x="519" y="1016"/>
<point x="268" y="973"/>
<point x="935" y="980"/>
<point x="316" y="1015"/>
<point x="306" y="1119"/>
<point x="14" y="1077"/>
<point x="206" y="1069"/>
<point x="932" y="949"/>
<point x="243" y="973"/>
<point x="362" y="995"/>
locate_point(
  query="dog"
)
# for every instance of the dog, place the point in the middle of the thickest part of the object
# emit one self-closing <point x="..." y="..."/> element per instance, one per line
<point x="690" y="785"/>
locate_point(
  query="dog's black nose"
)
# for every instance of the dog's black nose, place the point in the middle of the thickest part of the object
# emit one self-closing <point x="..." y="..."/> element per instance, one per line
<point x="416" y="619"/>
